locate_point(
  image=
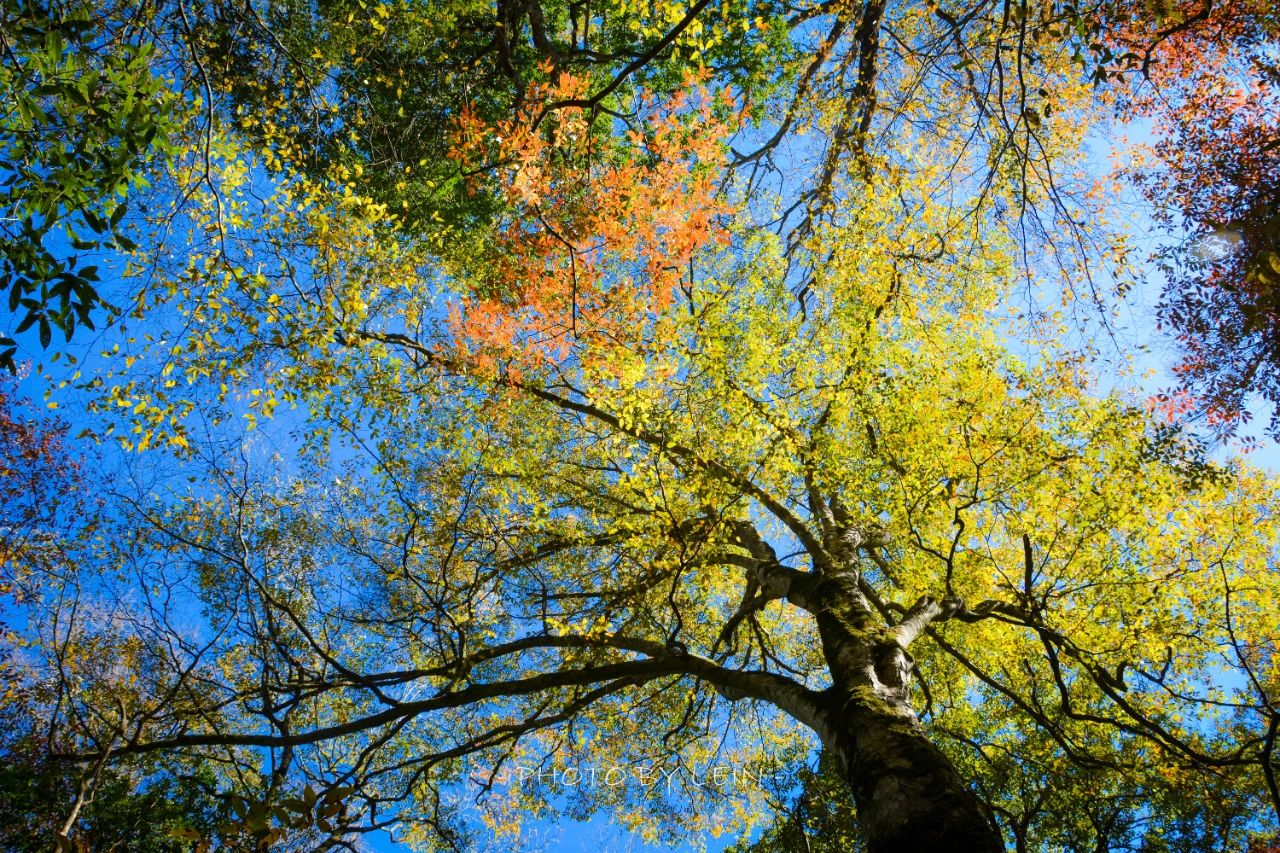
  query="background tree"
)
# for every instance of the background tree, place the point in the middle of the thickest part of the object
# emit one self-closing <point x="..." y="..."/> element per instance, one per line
<point x="42" y="488"/>
<point x="815" y="812"/>
<point x="85" y="120"/>
<point x="1208" y="82"/>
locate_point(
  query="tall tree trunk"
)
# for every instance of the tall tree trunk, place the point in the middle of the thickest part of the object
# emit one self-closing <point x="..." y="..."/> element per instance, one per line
<point x="909" y="796"/>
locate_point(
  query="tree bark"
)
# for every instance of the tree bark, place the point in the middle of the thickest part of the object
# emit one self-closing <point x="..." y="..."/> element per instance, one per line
<point x="909" y="796"/>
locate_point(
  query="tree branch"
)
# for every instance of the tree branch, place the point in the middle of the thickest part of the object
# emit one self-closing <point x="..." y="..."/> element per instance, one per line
<point x="794" y="699"/>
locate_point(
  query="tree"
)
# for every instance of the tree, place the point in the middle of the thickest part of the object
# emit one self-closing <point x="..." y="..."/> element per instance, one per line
<point x="1042" y="801"/>
<point x="1208" y="81"/>
<point x="368" y="95"/>
<point x="555" y="558"/>
<point x="817" y="813"/>
<point x="1203" y="71"/>
<point x="581" y="486"/>
<point x="41" y="488"/>
<point x="164" y="817"/>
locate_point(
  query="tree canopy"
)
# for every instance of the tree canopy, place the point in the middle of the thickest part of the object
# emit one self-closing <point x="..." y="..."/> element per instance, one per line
<point x="562" y="409"/>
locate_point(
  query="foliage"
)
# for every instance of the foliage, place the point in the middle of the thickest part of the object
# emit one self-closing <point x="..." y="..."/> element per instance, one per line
<point x="85" y="117"/>
<point x="37" y="482"/>
<point x="162" y="817"/>
<point x="39" y="486"/>
<point x="818" y="814"/>
<point x="1211" y="89"/>
<point x="375" y="89"/>
<point x="569" y="538"/>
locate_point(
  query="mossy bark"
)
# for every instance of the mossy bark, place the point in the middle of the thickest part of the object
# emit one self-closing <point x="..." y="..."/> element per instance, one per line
<point x="909" y="796"/>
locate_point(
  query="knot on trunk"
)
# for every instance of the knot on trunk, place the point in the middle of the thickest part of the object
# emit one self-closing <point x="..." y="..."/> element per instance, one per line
<point x="893" y="666"/>
<point x="773" y="584"/>
<point x="850" y="537"/>
<point x="951" y="605"/>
